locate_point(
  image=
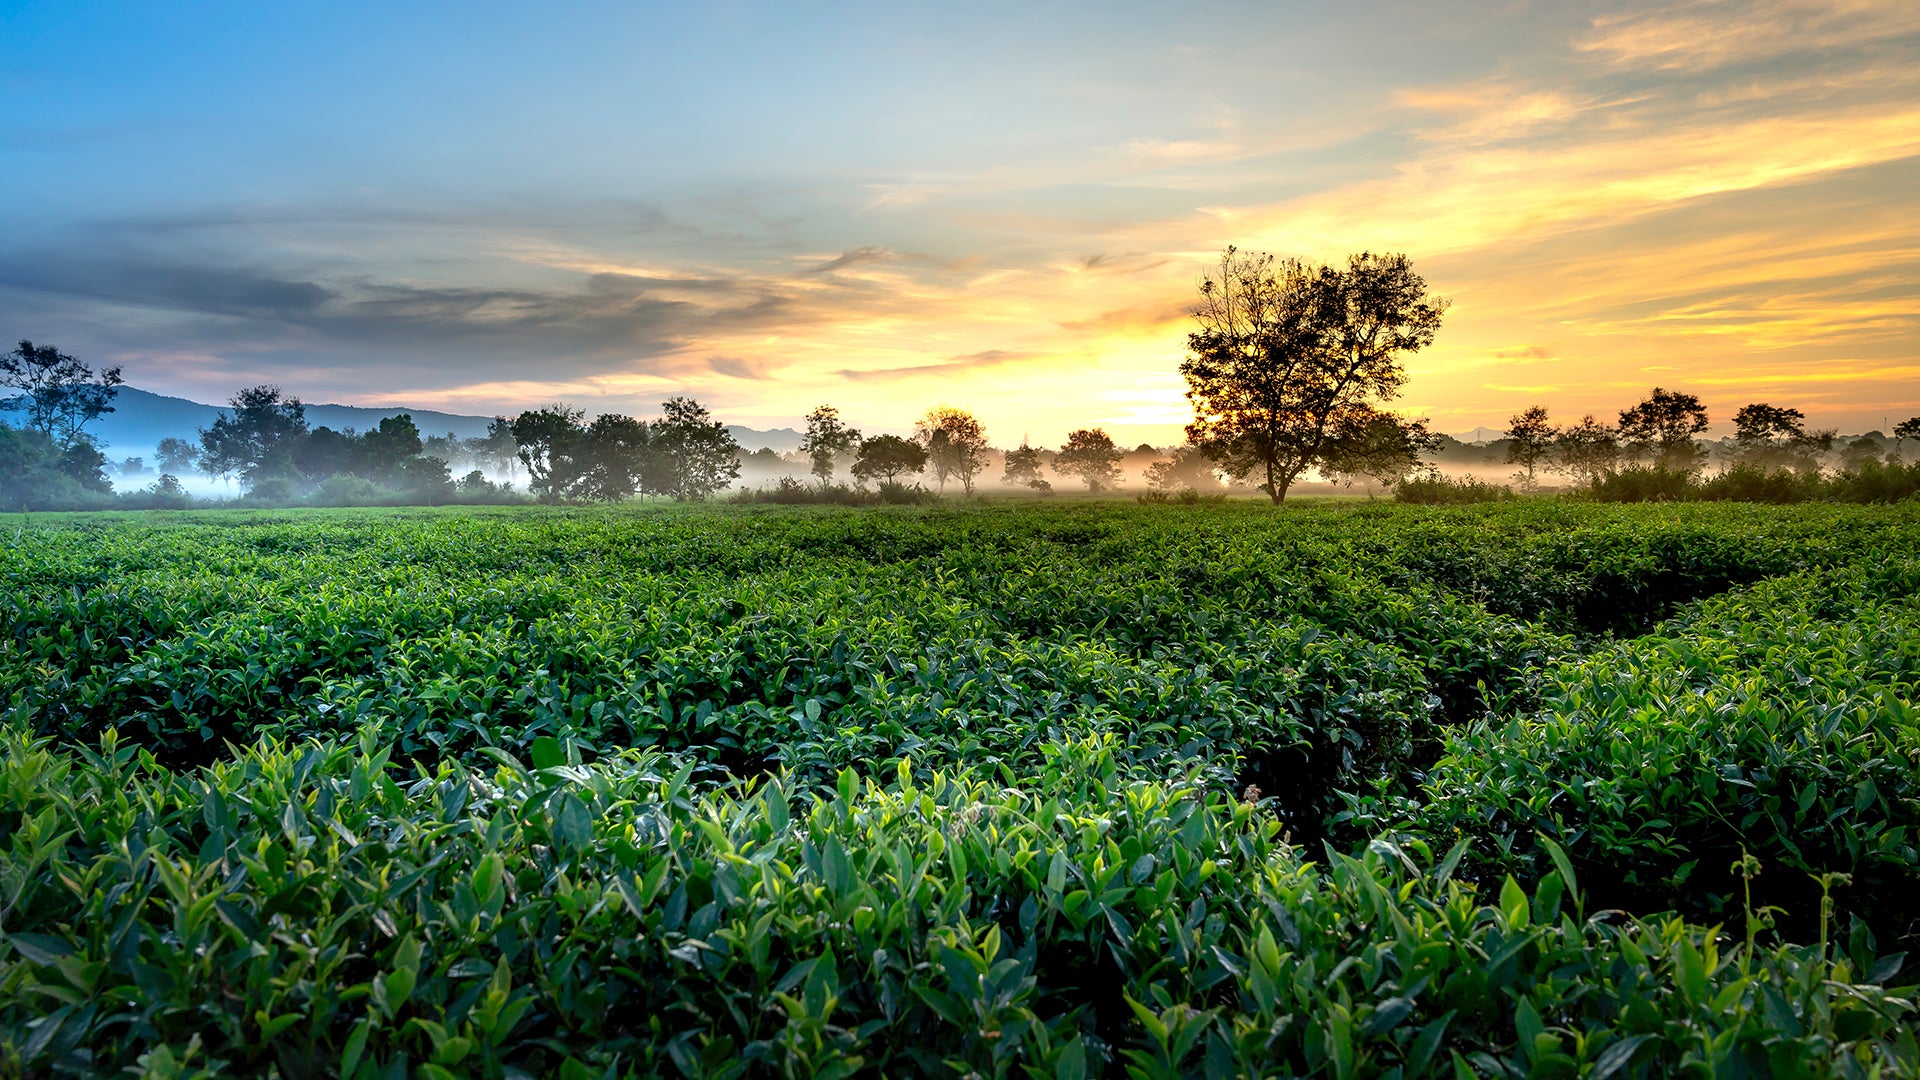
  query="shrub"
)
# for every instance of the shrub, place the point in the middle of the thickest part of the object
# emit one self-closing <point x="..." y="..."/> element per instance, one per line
<point x="1644" y="483"/>
<point x="1435" y="489"/>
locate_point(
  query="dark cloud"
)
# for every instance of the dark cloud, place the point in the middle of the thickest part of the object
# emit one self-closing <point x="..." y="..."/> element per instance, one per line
<point x="739" y="367"/>
<point x="1127" y="262"/>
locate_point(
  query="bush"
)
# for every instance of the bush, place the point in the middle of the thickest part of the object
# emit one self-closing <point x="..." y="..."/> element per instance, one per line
<point x="1750" y="483"/>
<point x="1435" y="489"/>
<point x="1877" y="482"/>
<point x="1644" y="483"/>
<point x="1182" y="497"/>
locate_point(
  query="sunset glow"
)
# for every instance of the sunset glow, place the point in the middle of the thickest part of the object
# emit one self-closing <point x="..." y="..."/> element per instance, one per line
<point x="1004" y="207"/>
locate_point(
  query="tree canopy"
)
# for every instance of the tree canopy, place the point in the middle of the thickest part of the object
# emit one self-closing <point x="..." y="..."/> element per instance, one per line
<point x="827" y="440"/>
<point x="955" y="442"/>
<point x="59" y="394"/>
<point x="1091" y="455"/>
<point x="1291" y="357"/>
<point x="886" y="458"/>
<point x="1662" y="428"/>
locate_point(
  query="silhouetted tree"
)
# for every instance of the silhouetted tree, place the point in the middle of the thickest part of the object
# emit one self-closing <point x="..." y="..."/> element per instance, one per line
<point x="385" y="448"/>
<point x="1380" y="447"/>
<point x="616" y="456"/>
<point x="257" y="438"/>
<point x="175" y="455"/>
<point x="1090" y="455"/>
<point x="59" y="394"/>
<point x="1770" y="437"/>
<point x="497" y="448"/>
<point x="888" y="457"/>
<point x="1586" y="451"/>
<point x="1530" y="444"/>
<point x="1288" y="355"/>
<point x="1904" y="430"/>
<point x="1022" y="466"/>
<point x="1189" y="467"/>
<point x="955" y="443"/>
<point x="827" y="439"/>
<point x="692" y="455"/>
<point x="547" y="441"/>
<point x="1662" y="428"/>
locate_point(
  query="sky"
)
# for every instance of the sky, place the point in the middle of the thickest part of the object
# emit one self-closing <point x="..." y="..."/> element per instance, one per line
<point x="483" y="207"/>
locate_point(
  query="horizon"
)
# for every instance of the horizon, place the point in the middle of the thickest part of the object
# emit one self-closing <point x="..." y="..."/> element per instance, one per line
<point x="999" y="208"/>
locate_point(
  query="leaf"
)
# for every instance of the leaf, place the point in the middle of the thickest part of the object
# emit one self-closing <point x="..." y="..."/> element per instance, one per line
<point x="1616" y="1055"/>
<point x="40" y="948"/>
<point x="572" y="822"/>
<point x="547" y="753"/>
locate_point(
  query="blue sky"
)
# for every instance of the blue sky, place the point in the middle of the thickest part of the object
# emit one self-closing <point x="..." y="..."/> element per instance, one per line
<point x="1005" y="207"/>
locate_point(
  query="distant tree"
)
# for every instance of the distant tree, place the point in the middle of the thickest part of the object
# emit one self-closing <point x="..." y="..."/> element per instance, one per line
<point x="59" y="394"/>
<point x="1023" y="466"/>
<point x="1859" y="453"/>
<point x="449" y="448"/>
<point x="693" y="455"/>
<point x="827" y="440"/>
<point x="257" y="438"/>
<point x="547" y="441"/>
<point x="133" y="466"/>
<point x="1289" y="356"/>
<point x="386" y="447"/>
<point x="1530" y="440"/>
<point x="887" y="458"/>
<point x="1661" y="428"/>
<point x="1904" y="430"/>
<point x="1586" y="451"/>
<point x="1770" y="437"/>
<point x="176" y="455"/>
<point x="616" y="456"/>
<point x="1189" y="467"/>
<point x="1090" y="455"/>
<point x="35" y="473"/>
<point x="1146" y="448"/>
<point x="425" y="478"/>
<point x="1379" y="447"/>
<point x="496" y="448"/>
<point x="955" y="443"/>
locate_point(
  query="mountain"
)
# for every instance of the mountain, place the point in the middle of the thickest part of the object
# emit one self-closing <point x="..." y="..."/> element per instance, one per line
<point x="141" y="418"/>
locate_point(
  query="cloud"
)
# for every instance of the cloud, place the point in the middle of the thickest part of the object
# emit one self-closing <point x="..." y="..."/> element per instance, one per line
<point x="971" y="362"/>
<point x="740" y="367"/>
<point x="1715" y="33"/>
<point x="859" y="256"/>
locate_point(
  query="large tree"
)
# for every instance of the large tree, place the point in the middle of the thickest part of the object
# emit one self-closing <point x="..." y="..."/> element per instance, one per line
<point x="691" y="455"/>
<point x="1023" y="466"/>
<point x="1772" y="437"/>
<point x="59" y="394"/>
<point x="1530" y="440"/>
<point x="1661" y="429"/>
<point x="1090" y="455"/>
<point x="1377" y="447"/>
<point x="1586" y="451"/>
<point x="828" y="439"/>
<point x="955" y="442"/>
<point x="1289" y="355"/>
<point x="548" y="442"/>
<point x="616" y="450"/>
<point x="888" y="457"/>
<point x="257" y="438"/>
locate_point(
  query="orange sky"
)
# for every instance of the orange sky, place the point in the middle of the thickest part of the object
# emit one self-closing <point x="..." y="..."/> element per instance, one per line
<point x="1716" y="196"/>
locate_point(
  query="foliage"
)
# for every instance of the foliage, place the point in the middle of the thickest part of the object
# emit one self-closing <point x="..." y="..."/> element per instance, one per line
<point x="1189" y="468"/>
<point x="1645" y="483"/>
<point x="59" y="394"/>
<point x="1586" y="451"/>
<point x="1023" y="466"/>
<point x="257" y="438"/>
<point x="1378" y="448"/>
<point x="1768" y="437"/>
<point x="692" y="455"/>
<point x="887" y="458"/>
<point x="1091" y="456"/>
<point x="955" y="443"/>
<point x="1437" y="490"/>
<point x="827" y="440"/>
<point x="1290" y="359"/>
<point x="1660" y="429"/>
<point x="1530" y="441"/>
<point x="1097" y="789"/>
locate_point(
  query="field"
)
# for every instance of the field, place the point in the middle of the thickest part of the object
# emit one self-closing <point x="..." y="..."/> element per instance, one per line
<point x="1530" y="789"/>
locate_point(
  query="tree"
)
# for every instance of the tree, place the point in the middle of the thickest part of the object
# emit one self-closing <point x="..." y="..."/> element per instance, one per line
<point x="887" y="457"/>
<point x="1586" y="451"/>
<point x="1904" y="430"/>
<point x="59" y="394"/>
<point x="1288" y="355"/>
<point x="692" y="455"/>
<point x="1662" y="428"/>
<point x="384" y="449"/>
<point x="615" y="458"/>
<point x="1023" y="466"/>
<point x="546" y="441"/>
<point x="1530" y="444"/>
<point x="175" y="455"/>
<point x="257" y="439"/>
<point x="1189" y="467"/>
<point x="954" y="441"/>
<point x="1090" y="455"/>
<point x="497" y="448"/>
<point x="826" y="440"/>
<point x="1380" y="447"/>
<point x="1770" y="437"/>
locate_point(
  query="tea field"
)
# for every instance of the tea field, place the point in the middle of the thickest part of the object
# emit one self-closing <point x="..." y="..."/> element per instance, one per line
<point x="1524" y="789"/>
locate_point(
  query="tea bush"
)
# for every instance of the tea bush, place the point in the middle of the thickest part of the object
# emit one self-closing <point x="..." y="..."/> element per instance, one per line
<point x="1092" y="789"/>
